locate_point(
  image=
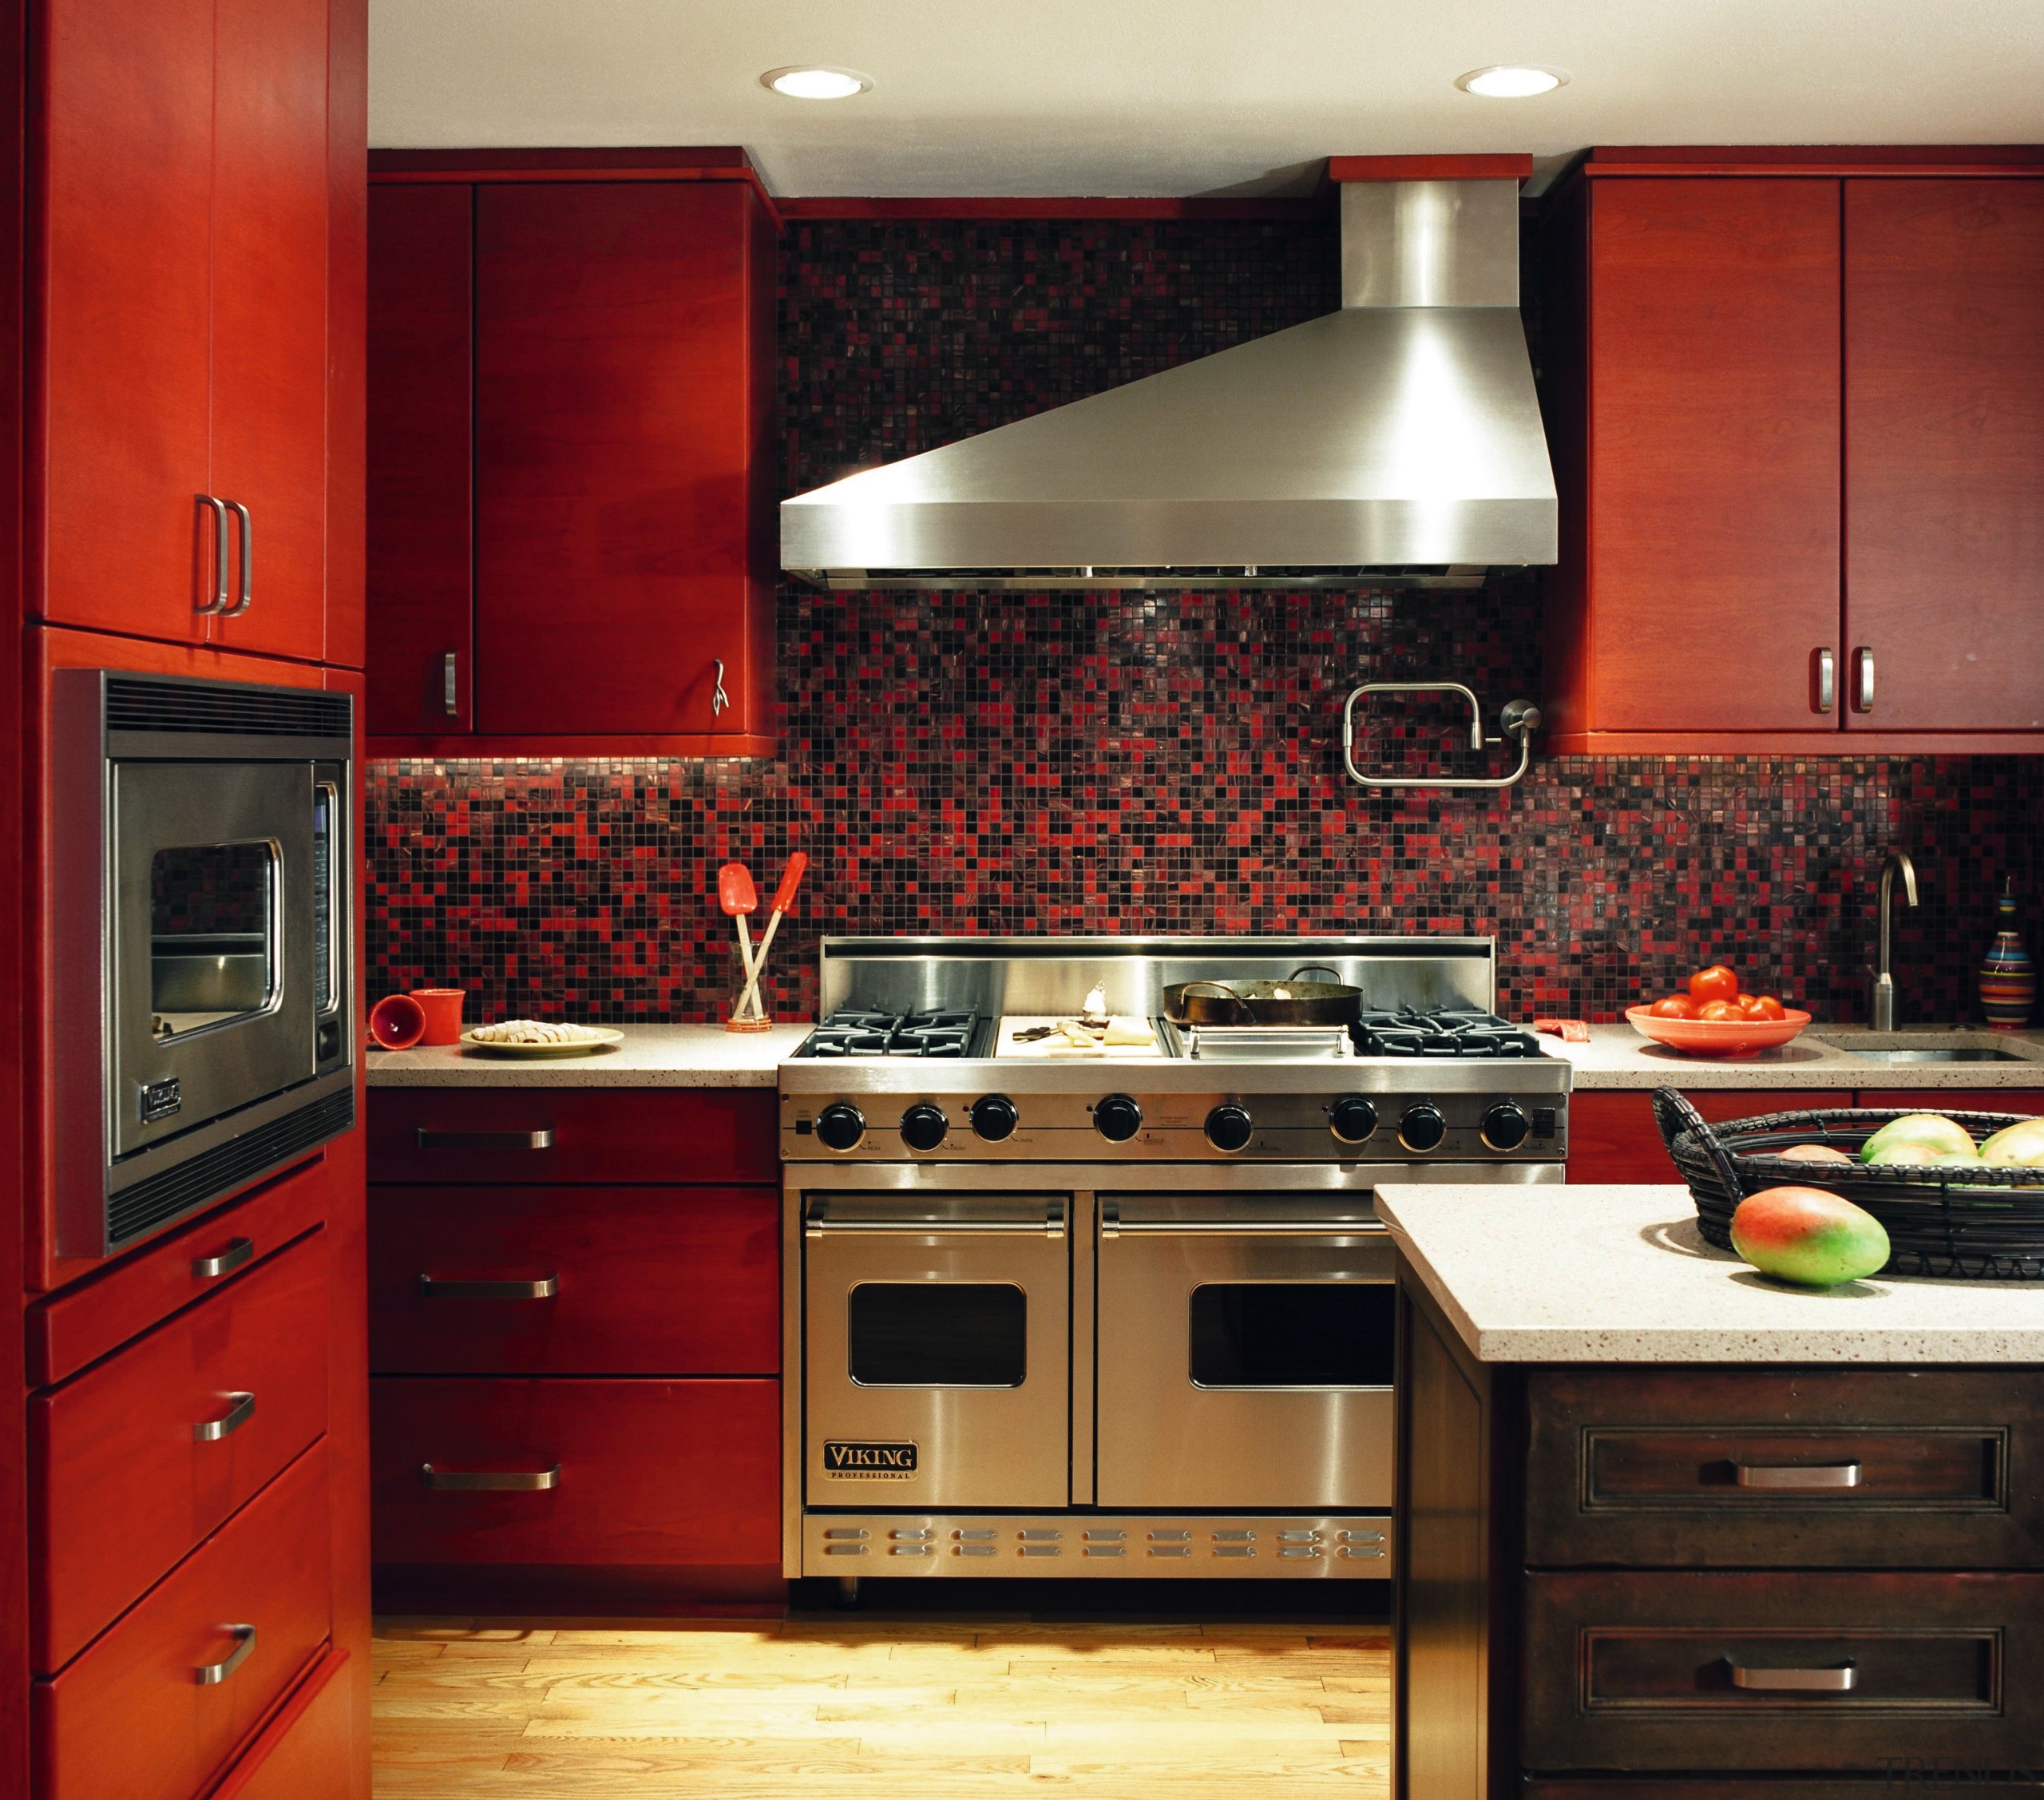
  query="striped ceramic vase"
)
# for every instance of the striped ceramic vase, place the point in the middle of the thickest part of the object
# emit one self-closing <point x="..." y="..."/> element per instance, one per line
<point x="2008" y="976"/>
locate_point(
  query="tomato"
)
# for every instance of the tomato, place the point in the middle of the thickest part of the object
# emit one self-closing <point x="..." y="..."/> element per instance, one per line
<point x="1749" y="1006"/>
<point x="1717" y="1011"/>
<point x="1716" y="982"/>
<point x="1769" y="1008"/>
<point x="1675" y="1006"/>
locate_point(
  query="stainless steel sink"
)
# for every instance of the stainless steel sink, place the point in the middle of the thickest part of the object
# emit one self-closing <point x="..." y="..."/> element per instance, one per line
<point x="1924" y="1047"/>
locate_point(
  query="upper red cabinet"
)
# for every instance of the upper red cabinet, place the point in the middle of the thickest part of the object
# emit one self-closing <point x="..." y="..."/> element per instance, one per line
<point x="183" y="215"/>
<point x="571" y="491"/>
<point x="1797" y="411"/>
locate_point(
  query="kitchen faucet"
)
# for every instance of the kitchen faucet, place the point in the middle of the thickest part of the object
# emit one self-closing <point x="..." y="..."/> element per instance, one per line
<point x="1883" y="981"/>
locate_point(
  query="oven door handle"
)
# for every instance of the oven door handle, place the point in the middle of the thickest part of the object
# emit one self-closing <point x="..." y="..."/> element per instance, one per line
<point x="1113" y="1225"/>
<point x="818" y="1222"/>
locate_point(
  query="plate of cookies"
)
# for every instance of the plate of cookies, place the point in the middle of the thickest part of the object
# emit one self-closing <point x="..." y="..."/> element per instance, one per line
<point x="540" y="1037"/>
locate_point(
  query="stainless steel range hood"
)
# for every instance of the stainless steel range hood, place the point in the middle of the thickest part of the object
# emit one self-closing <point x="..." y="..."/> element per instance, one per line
<point x="1400" y="438"/>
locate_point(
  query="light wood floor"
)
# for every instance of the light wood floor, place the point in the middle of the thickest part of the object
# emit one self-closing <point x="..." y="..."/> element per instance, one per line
<point x="907" y="1708"/>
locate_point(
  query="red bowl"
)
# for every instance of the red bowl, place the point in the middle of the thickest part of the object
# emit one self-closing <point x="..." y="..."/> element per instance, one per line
<point x="397" y="1022"/>
<point x="1716" y="1037"/>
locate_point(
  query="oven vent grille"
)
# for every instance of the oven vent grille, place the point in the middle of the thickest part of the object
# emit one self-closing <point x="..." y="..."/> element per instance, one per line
<point x="218" y="707"/>
<point x="190" y="1185"/>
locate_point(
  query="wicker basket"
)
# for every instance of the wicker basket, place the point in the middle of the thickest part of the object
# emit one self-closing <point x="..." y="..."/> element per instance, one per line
<point x="1984" y="1223"/>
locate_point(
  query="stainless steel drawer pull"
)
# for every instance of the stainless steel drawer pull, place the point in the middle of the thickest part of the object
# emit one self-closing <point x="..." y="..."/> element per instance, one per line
<point x="241" y="1408"/>
<point x="248" y="561"/>
<point x="438" y="1288"/>
<point x="238" y="1252"/>
<point x="212" y="1674"/>
<point x="819" y="1224"/>
<point x="1826" y="683"/>
<point x="541" y="1138"/>
<point x="1799" y="1478"/>
<point x="491" y="1480"/>
<point x="1838" y="1680"/>
<point x="450" y="692"/>
<point x="219" y="601"/>
<point x="1862" y="679"/>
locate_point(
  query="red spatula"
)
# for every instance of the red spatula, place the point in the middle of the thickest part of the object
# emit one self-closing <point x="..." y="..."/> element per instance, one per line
<point x="784" y="897"/>
<point x="736" y="895"/>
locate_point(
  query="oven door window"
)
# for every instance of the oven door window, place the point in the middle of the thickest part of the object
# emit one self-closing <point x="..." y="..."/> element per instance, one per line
<point x="938" y="1334"/>
<point x="1291" y="1334"/>
<point x="213" y="932"/>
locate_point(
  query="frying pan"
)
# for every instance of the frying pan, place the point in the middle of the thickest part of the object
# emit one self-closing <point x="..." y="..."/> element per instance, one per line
<point x="1288" y="1002"/>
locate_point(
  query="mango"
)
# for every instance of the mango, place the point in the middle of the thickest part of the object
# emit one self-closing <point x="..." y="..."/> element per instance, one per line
<point x="1933" y="1129"/>
<point x="2016" y="1147"/>
<point x="1814" y="1153"/>
<point x="1807" y="1236"/>
<point x="1925" y="1155"/>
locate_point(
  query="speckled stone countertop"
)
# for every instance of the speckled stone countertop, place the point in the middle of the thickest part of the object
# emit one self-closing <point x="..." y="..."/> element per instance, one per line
<point x="1617" y="1057"/>
<point x="1621" y="1275"/>
<point x="650" y="1056"/>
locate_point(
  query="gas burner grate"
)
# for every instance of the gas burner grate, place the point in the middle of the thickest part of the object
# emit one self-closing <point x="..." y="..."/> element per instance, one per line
<point x="928" y="1033"/>
<point x="1445" y="1031"/>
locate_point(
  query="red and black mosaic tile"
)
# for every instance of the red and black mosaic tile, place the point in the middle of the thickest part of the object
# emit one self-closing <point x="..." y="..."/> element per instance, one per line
<point x="1123" y="763"/>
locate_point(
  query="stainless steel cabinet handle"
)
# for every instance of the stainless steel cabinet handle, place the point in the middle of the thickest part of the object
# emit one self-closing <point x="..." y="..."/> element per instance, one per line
<point x="212" y="1674"/>
<point x="1862" y="679"/>
<point x="718" y="698"/>
<point x="1113" y="1225"/>
<point x="434" y="1287"/>
<point x="450" y="698"/>
<point x="490" y="1480"/>
<point x="1799" y="1478"/>
<point x="1838" y="1680"/>
<point x="819" y="1224"/>
<point x="541" y="1138"/>
<point x="238" y="1414"/>
<point x="238" y="1252"/>
<point x="248" y="562"/>
<point x="1825" y="681"/>
<point x="220" y="553"/>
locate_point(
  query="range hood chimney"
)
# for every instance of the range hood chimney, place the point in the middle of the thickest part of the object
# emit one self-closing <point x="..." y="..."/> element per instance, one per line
<point x="1399" y="438"/>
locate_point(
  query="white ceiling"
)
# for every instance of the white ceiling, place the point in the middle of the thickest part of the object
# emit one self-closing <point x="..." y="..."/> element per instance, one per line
<point x="1188" y="97"/>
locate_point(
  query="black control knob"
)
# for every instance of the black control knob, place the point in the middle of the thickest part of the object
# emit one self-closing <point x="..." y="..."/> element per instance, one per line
<point x="994" y="1117"/>
<point x="1352" y="1118"/>
<point x="841" y="1126"/>
<point x="1421" y="1126"/>
<point x="924" y="1126"/>
<point x="1117" y="1118"/>
<point x="1506" y="1126"/>
<point x="1228" y="1127"/>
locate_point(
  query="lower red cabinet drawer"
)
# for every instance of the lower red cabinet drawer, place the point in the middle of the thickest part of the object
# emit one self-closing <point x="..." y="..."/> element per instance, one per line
<point x="139" y="1457"/>
<point x="562" y="1471"/>
<point x="574" y="1280"/>
<point x="307" y="1751"/>
<point x="1781" y="1671"/>
<point x="156" y="1707"/>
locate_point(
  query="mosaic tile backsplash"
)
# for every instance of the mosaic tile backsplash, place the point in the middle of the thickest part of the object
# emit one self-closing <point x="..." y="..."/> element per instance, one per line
<point x="1118" y="762"/>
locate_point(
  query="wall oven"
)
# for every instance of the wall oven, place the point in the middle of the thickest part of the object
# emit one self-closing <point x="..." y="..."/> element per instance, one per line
<point x="199" y="939"/>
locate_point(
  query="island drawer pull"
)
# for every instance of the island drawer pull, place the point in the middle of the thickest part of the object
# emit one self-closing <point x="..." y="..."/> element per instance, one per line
<point x="1840" y="1679"/>
<point x="212" y="1674"/>
<point x="240" y="1409"/>
<point x="541" y="1138"/>
<point x="491" y="1480"/>
<point x="210" y="1268"/>
<point x="1823" y="1477"/>
<point x="436" y="1287"/>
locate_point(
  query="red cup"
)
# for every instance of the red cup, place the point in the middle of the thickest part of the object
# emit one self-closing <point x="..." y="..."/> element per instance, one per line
<point x="442" y="1007"/>
<point x="397" y="1022"/>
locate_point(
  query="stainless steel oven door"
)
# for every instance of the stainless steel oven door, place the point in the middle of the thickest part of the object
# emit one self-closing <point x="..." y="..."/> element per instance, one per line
<point x="212" y="929"/>
<point x="937" y="1350"/>
<point x="1245" y="1352"/>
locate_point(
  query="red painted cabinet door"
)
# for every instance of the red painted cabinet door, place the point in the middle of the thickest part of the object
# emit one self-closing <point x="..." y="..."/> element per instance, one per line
<point x="616" y="425"/>
<point x="269" y="413"/>
<point x="1713" y="452"/>
<point x="419" y="579"/>
<point x="1944" y="453"/>
<point x="126" y="315"/>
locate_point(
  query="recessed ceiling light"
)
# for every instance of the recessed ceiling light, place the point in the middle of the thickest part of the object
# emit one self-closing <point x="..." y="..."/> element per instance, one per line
<point x="809" y="82"/>
<point x="1512" y="81"/>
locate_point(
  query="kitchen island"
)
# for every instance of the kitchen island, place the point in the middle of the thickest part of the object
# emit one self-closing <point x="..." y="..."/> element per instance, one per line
<point x="1665" y="1528"/>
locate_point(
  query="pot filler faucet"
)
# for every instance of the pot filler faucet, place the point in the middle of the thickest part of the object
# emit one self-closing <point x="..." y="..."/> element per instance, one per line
<point x="1883" y="1014"/>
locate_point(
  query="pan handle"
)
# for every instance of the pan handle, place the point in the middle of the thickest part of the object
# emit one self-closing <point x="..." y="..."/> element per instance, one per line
<point x="1222" y="988"/>
<point x="1316" y="968"/>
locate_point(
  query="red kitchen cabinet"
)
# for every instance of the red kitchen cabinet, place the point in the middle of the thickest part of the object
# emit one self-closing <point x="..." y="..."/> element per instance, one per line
<point x="583" y="365"/>
<point x="183" y="207"/>
<point x="1796" y="401"/>
<point x="1948" y="1099"/>
<point x="1944" y="454"/>
<point x="1612" y="1136"/>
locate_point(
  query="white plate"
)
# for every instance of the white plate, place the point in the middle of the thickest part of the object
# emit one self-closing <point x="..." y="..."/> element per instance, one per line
<point x="604" y="1035"/>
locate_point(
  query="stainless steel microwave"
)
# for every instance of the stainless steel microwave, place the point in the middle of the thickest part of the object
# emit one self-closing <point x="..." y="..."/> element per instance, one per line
<point x="199" y="941"/>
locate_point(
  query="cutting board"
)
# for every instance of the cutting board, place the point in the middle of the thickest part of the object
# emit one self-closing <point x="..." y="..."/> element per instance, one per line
<point x="1059" y="1049"/>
